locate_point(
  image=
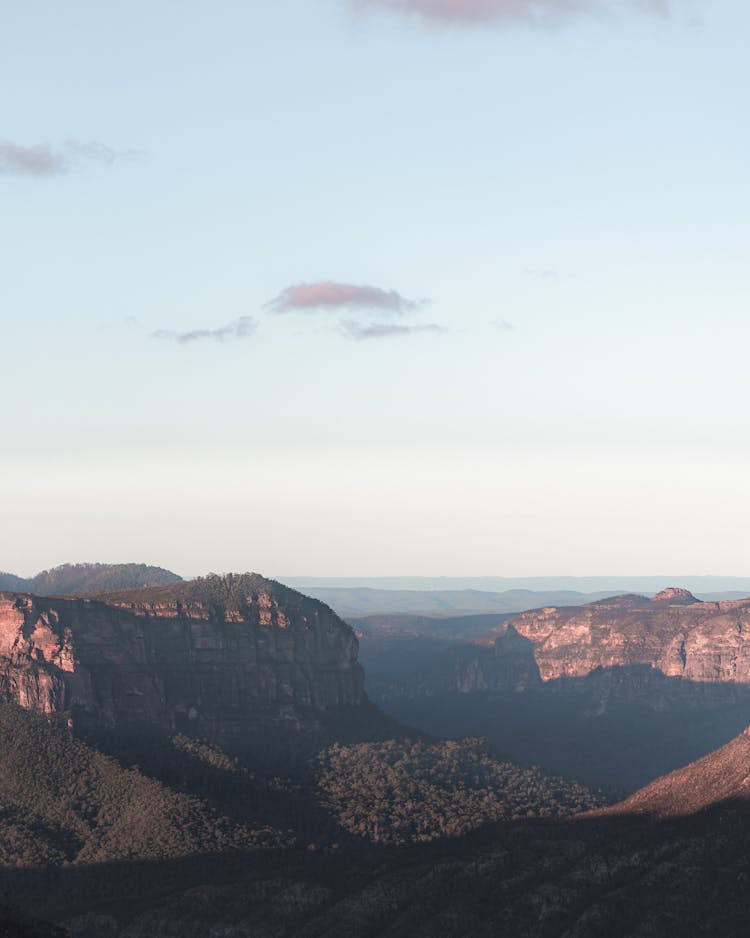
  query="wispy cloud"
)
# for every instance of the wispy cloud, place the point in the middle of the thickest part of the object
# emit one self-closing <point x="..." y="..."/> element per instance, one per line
<point x="361" y="332"/>
<point x="543" y="274"/>
<point x="93" y="152"/>
<point x="42" y="159"/>
<point x="537" y="12"/>
<point x="241" y="328"/>
<point x="123" y="322"/>
<point x="327" y="295"/>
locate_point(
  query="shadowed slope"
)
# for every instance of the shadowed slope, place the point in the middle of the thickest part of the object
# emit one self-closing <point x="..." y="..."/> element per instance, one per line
<point x="62" y="802"/>
<point x="722" y="775"/>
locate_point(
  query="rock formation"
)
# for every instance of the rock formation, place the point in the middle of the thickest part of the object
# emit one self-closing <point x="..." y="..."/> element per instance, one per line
<point x="622" y="641"/>
<point x="673" y="633"/>
<point x="211" y="655"/>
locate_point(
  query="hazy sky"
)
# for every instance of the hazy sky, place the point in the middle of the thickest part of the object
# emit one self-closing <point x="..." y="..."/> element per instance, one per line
<point x="338" y="287"/>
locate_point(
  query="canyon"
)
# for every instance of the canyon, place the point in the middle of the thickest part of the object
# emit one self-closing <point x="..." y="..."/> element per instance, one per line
<point x="623" y="689"/>
<point x="674" y="635"/>
<point x="614" y="692"/>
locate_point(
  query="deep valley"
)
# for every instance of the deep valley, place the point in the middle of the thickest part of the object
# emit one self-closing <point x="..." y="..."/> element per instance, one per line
<point x="187" y="756"/>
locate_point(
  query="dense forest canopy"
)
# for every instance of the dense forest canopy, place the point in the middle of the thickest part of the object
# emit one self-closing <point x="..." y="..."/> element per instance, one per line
<point x="402" y="791"/>
<point x="88" y="578"/>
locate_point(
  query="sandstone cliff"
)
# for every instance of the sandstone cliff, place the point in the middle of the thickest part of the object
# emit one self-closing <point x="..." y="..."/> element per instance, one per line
<point x="622" y="642"/>
<point x="673" y="633"/>
<point x="211" y="655"/>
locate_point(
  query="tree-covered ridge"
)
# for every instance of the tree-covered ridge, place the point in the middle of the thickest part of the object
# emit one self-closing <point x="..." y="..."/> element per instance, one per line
<point x="401" y="791"/>
<point x="11" y="582"/>
<point x="88" y="578"/>
<point x="139" y="584"/>
<point x="205" y="752"/>
<point x="232" y="591"/>
<point x="63" y="802"/>
<point x="229" y="592"/>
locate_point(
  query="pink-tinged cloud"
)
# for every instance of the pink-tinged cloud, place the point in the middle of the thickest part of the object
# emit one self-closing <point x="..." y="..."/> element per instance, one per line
<point x="42" y="159"/>
<point x="539" y="12"/>
<point x="39" y="160"/>
<point x="361" y="332"/>
<point x="327" y="295"/>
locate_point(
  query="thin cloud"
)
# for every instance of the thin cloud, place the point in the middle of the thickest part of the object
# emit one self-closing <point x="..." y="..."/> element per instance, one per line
<point x="39" y="160"/>
<point x="123" y="322"/>
<point x="544" y="274"/>
<point x="94" y="152"/>
<point x="360" y="332"/>
<point x="238" y="329"/>
<point x="536" y="12"/>
<point x="42" y="159"/>
<point x="327" y="295"/>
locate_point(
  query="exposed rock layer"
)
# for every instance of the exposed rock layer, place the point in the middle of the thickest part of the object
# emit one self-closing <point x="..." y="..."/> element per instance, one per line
<point x="212" y="655"/>
<point x="674" y="633"/>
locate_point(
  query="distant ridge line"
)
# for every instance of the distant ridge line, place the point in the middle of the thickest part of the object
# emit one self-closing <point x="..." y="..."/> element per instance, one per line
<point x="647" y="584"/>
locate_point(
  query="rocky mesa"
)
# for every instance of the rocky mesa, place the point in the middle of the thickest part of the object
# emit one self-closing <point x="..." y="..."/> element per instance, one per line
<point x="674" y="633"/>
<point x="211" y="655"/>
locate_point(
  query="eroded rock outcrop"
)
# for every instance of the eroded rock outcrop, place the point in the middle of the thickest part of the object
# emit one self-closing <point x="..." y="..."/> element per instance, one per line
<point x="620" y="645"/>
<point x="674" y="633"/>
<point x="212" y="654"/>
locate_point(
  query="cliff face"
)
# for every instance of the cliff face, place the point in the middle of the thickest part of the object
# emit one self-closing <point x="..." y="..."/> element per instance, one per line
<point x="674" y="633"/>
<point x="211" y="655"/>
<point x="509" y="665"/>
<point x="625" y="644"/>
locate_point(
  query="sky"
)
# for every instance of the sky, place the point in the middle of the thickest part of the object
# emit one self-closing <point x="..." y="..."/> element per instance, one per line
<point x="375" y="287"/>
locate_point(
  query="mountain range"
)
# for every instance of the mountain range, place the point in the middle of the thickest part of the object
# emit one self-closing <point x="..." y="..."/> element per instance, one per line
<point x="363" y="596"/>
<point x="202" y="757"/>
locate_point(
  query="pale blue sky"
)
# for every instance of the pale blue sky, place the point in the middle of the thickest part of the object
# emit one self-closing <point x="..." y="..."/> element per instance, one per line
<point x="573" y="202"/>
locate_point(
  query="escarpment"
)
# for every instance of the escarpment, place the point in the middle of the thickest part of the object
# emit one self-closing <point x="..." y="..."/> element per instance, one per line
<point x="673" y="633"/>
<point x="214" y="655"/>
<point x="622" y="641"/>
